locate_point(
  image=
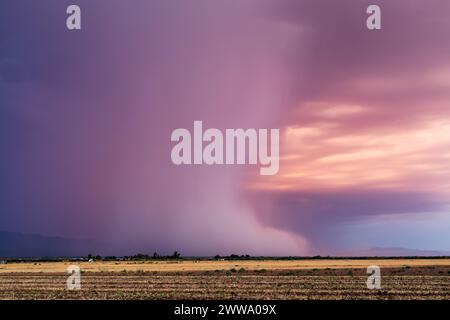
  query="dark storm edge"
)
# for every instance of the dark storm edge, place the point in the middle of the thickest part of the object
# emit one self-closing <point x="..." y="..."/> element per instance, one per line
<point x="276" y="309"/>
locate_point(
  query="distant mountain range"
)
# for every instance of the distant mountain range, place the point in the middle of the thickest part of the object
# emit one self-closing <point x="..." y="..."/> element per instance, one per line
<point x="19" y="245"/>
<point x="395" y="252"/>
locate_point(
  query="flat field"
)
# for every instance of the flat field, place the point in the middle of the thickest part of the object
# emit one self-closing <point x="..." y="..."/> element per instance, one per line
<point x="237" y="279"/>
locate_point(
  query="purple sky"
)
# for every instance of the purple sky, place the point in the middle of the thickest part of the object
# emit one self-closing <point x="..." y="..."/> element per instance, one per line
<point x="86" y="118"/>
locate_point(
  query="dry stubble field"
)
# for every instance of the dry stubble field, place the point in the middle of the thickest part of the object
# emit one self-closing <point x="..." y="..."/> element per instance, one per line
<point x="247" y="279"/>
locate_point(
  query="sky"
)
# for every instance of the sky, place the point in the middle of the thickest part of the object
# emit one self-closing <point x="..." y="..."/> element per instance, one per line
<point x="364" y="117"/>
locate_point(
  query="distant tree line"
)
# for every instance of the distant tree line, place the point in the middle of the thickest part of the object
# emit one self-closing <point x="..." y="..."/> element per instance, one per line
<point x="177" y="256"/>
<point x="137" y="257"/>
<point x="233" y="257"/>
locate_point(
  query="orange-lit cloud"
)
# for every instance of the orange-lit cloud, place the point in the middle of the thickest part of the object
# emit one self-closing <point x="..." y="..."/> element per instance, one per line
<point x="321" y="156"/>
